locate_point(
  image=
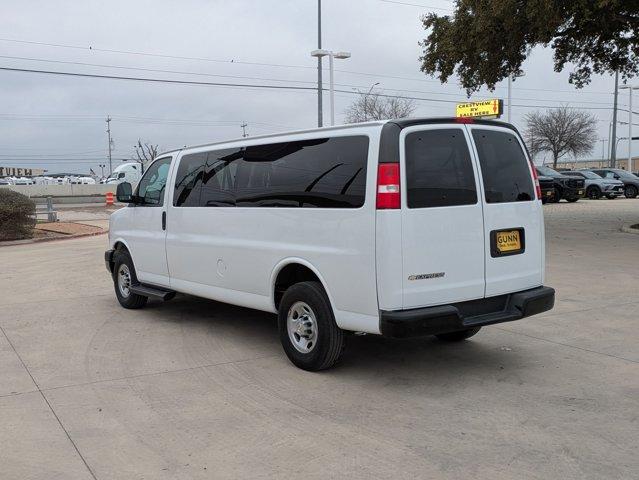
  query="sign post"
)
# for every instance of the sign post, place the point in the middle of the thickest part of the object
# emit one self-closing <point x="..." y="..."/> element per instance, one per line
<point x="486" y="108"/>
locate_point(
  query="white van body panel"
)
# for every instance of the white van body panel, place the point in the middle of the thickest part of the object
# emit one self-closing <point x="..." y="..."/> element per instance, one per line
<point x="518" y="272"/>
<point x="230" y="254"/>
<point x="388" y="227"/>
<point x="446" y="241"/>
<point x="140" y="229"/>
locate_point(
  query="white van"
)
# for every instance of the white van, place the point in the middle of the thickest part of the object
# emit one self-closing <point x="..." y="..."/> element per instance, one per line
<point x="400" y="228"/>
<point x="127" y="172"/>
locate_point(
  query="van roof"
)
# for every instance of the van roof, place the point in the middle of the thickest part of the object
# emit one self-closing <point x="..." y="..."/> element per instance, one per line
<point x="401" y="123"/>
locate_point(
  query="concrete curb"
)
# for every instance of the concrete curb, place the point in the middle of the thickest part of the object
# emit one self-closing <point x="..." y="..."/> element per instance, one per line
<point x="628" y="229"/>
<point x="29" y="241"/>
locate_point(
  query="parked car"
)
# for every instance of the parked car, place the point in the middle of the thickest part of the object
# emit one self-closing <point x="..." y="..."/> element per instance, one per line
<point x="572" y="189"/>
<point x="597" y="186"/>
<point x="631" y="182"/>
<point x="547" y="185"/>
<point x="5" y="181"/>
<point x="380" y="227"/>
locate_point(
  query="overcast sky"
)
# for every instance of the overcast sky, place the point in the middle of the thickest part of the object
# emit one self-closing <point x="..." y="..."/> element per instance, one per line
<point x="46" y="117"/>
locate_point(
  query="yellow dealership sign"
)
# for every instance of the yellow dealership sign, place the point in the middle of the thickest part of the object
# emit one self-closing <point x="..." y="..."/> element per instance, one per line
<point x="485" y="108"/>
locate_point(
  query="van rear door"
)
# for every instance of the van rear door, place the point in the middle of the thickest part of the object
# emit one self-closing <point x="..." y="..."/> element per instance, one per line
<point x="441" y="217"/>
<point x="513" y="216"/>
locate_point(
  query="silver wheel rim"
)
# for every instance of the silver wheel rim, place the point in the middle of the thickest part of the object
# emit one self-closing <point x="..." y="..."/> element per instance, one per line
<point x="124" y="280"/>
<point x="302" y="327"/>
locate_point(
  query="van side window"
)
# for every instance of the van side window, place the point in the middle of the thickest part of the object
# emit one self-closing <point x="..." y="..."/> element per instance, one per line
<point x="504" y="167"/>
<point x="323" y="172"/>
<point x="218" y="182"/>
<point x="439" y="171"/>
<point x="188" y="180"/>
<point x="152" y="185"/>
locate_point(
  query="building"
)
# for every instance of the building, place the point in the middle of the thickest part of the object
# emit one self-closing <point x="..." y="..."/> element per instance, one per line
<point x="575" y="164"/>
<point x="20" y="172"/>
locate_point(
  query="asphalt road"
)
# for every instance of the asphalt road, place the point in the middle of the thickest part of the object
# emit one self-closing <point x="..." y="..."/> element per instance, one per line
<point x="196" y="389"/>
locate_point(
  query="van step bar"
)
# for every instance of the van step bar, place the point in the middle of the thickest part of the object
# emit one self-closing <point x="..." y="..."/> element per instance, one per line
<point x="149" y="291"/>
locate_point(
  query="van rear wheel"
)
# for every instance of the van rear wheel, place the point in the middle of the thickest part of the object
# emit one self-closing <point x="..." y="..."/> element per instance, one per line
<point x="310" y="337"/>
<point x="458" y="336"/>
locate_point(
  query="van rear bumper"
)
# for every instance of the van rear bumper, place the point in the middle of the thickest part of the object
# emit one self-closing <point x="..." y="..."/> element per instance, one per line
<point x="460" y="316"/>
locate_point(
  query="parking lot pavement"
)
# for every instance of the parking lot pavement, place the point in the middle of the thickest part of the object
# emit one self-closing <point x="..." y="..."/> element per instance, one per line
<point x="196" y="389"/>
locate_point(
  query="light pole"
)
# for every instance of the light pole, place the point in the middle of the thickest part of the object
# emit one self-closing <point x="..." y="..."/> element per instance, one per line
<point x="630" y="88"/>
<point x="331" y="55"/>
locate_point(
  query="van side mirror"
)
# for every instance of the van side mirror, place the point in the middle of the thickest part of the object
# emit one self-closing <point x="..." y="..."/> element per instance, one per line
<point x="124" y="193"/>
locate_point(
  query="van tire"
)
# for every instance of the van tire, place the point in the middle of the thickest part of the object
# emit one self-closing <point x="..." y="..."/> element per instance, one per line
<point x="123" y="266"/>
<point x="459" y="335"/>
<point x="329" y="344"/>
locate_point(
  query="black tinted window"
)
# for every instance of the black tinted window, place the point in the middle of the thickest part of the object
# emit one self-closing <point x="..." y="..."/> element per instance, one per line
<point x="327" y="173"/>
<point x="152" y="185"/>
<point x="439" y="171"/>
<point x="188" y="180"/>
<point x="218" y="183"/>
<point x="504" y="167"/>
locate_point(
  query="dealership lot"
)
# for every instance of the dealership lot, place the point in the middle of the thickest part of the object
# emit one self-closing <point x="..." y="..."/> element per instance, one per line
<point x="196" y="389"/>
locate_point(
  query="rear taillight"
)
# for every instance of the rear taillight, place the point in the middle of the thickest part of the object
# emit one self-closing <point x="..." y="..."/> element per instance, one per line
<point x="388" y="186"/>
<point x="536" y="180"/>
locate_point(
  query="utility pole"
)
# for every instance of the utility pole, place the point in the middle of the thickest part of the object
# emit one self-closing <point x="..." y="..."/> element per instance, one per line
<point x="320" y="120"/>
<point x="244" y="134"/>
<point x="108" y="121"/>
<point x="613" y="144"/>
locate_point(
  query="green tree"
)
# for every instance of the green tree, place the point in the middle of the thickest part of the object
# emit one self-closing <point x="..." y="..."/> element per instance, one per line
<point x="485" y="41"/>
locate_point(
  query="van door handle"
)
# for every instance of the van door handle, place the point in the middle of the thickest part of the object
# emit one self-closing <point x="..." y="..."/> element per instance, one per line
<point x="164" y="220"/>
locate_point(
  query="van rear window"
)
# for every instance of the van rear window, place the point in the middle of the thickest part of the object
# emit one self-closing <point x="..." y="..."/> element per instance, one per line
<point x="504" y="167"/>
<point x="439" y="172"/>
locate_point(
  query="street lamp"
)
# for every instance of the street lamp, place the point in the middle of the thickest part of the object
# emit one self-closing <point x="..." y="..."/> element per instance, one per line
<point x="331" y="55"/>
<point x="366" y="95"/>
<point x="630" y="88"/>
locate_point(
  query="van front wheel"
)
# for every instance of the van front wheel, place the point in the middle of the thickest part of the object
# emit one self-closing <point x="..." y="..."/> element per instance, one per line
<point x="308" y="332"/>
<point x="458" y="336"/>
<point x="123" y="279"/>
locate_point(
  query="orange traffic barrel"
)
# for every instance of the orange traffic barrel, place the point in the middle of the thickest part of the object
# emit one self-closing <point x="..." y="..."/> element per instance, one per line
<point x="109" y="198"/>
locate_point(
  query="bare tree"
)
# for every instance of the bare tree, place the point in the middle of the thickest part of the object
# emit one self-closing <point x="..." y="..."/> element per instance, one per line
<point x="377" y="106"/>
<point x="561" y="131"/>
<point x="145" y="153"/>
